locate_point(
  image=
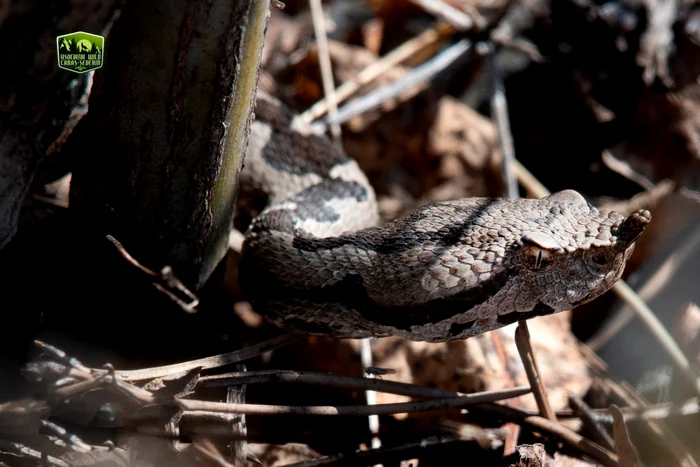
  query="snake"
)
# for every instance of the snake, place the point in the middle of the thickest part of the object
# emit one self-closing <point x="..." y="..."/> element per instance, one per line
<point x="317" y="259"/>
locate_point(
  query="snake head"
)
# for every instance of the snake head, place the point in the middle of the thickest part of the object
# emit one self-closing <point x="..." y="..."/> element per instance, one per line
<point x="578" y="252"/>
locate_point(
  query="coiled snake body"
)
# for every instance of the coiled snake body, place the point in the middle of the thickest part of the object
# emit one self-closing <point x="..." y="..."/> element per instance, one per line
<point x="315" y="261"/>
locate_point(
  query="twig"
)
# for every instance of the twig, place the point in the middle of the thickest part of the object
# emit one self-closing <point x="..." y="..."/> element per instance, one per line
<point x="236" y="395"/>
<point x="420" y="75"/>
<point x="370" y="395"/>
<point x="207" y="362"/>
<point x="522" y="342"/>
<point x="658" y="428"/>
<point x="165" y="282"/>
<point x="456" y="18"/>
<point x="499" y="111"/>
<point x="324" y="379"/>
<point x="408" y="49"/>
<point x="188" y="405"/>
<point x="324" y="61"/>
<point x="589" y="419"/>
<point x="380" y="456"/>
<point x="62" y="357"/>
<point x="207" y="449"/>
<point x="624" y="291"/>
<point x="651" y="412"/>
<point x="68" y="438"/>
<point x="23" y="451"/>
<point x="570" y="437"/>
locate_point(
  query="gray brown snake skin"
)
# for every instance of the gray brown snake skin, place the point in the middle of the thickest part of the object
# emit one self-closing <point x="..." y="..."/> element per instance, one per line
<point x="314" y="260"/>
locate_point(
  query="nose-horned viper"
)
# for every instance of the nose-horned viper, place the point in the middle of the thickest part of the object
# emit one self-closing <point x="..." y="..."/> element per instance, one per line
<point x="315" y="261"/>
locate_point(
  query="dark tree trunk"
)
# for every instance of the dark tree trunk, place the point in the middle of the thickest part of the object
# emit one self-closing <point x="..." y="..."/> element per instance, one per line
<point x="156" y="159"/>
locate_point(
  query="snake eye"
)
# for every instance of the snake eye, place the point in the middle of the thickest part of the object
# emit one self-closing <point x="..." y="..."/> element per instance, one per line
<point x="536" y="258"/>
<point x="538" y="250"/>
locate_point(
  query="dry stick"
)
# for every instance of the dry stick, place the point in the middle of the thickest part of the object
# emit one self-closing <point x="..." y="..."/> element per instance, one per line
<point x="674" y="446"/>
<point x="499" y="111"/>
<point x="188" y="405"/>
<point x="207" y="362"/>
<point x="325" y="379"/>
<point x="456" y="18"/>
<point x="568" y="436"/>
<point x="589" y="419"/>
<point x="370" y="396"/>
<point x="324" y="61"/>
<point x="166" y="276"/>
<point x="25" y="451"/>
<point x="626" y="293"/>
<point x="380" y="456"/>
<point x="410" y="48"/>
<point x="62" y="357"/>
<point x="420" y="75"/>
<point x="522" y="342"/>
<point x="236" y="394"/>
<point x="651" y="412"/>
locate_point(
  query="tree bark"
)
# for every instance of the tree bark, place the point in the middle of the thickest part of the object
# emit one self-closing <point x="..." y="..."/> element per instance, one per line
<point x="158" y="155"/>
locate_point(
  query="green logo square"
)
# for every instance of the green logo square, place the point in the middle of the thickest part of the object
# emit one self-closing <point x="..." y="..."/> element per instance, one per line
<point x="80" y="51"/>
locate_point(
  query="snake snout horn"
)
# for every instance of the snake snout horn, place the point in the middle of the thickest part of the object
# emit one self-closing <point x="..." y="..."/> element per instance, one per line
<point x="630" y="228"/>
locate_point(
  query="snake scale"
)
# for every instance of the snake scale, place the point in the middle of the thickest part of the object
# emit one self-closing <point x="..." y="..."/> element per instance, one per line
<point x="315" y="260"/>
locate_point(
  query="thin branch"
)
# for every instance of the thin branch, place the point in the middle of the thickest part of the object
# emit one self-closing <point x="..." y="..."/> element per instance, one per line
<point x="456" y="18"/>
<point x="22" y="451"/>
<point x="324" y="61"/>
<point x="411" y="47"/>
<point x="165" y="282"/>
<point x="651" y="412"/>
<point x="589" y="419"/>
<point x="324" y="379"/>
<point x="499" y="112"/>
<point x="370" y="396"/>
<point x="62" y="357"/>
<point x="419" y="76"/>
<point x="568" y="436"/>
<point x="380" y="456"/>
<point x="207" y="362"/>
<point x="188" y="405"/>
<point x="626" y="293"/>
<point x="522" y="342"/>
